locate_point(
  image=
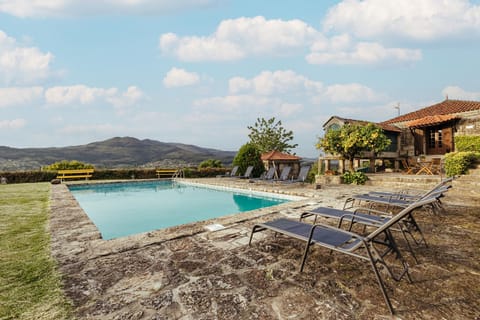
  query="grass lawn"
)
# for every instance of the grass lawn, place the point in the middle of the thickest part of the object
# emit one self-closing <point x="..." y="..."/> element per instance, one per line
<point x="30" y="286"/>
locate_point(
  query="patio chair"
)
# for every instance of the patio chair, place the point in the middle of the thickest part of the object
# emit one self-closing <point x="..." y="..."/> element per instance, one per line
<point x="362" y="247"/>
<point x="436" y="166"/>
<point x="232" y="173"/>
<point x="302" y="175"/>
<point x="247" y="174"/>
<point x="408" y="168"/>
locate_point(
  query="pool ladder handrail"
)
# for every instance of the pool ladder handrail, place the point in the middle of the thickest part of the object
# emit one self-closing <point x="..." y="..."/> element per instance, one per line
<point x="179" y="174"/>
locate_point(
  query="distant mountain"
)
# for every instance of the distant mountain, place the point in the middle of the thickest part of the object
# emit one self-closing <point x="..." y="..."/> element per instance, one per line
<point x="112" y="153"/>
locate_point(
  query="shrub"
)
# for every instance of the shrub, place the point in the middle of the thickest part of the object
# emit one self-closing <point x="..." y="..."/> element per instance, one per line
<point x="467" y="143"/>
<point x="313" y="172"/>
<point x="354" y="177"/>
<point x="248" y="155"/>
<point x="457" y="163"/>
<point x="67" y="165"/>
<point x="210" y="163"/>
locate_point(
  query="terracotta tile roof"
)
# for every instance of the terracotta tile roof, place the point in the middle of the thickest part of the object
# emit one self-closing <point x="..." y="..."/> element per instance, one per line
<point x="430" y="120"/>
<point x="443" y="108"/>
<point x="384" y="126"/>
<point x="277" y="155"/>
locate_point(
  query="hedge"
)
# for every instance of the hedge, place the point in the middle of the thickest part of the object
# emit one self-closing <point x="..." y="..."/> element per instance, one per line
<point x="108" y="174"/>
<point x="467" y="143"/>
<point x="457" y="163"/>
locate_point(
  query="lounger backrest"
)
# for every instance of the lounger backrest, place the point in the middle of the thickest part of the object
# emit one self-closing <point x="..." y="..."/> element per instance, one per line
<point x="302" y="176"/>
<point x="399" y="216"/>
<point x="234" y="171"/>
<point x="248" y="172"/>
<point x="437" y="187"/>
<point x="285" y="173"/>
<point x="270" y="173"/>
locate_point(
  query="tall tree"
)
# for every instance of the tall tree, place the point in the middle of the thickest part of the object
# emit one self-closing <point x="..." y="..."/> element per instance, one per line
<point x="268" y="135"/>
<point x="351" y="140"/>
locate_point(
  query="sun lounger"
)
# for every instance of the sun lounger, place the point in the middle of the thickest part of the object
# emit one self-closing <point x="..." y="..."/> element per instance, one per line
<point x="362" y="247"/>
<point x="410" y="194"/>
<point x="394" y="200"/>
<point x="370" y="217"/>
<point x="302" y="175"/>
<point x="284" y="174"/>
<point x="268" y="176"/>
<point x="247" y="174"/>
<point x="232" y="173"/>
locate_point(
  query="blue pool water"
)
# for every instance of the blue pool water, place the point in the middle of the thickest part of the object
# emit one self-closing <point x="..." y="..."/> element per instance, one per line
<point x="121" y="209"/>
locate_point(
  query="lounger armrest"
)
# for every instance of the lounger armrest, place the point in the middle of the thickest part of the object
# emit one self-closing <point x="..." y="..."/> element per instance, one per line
<point x="357" y="218"/>
<point x="369" y="210"/>
<point x="326" y="226"/>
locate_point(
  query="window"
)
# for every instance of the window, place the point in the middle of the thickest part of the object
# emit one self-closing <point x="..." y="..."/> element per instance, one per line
<point x="334" y="126"/>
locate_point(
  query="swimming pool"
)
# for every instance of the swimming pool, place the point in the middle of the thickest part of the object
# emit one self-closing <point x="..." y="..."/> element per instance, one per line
<point x="121" y="209"/>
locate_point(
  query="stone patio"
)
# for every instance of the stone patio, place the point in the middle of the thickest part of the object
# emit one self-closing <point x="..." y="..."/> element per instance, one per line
<point x="188" y="272"/>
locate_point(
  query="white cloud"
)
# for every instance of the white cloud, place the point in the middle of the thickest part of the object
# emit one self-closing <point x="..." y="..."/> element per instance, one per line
<point x="77" y="94"/>
<point x="420" y="19"/>
<point x="180" y="78"/>
<point x="237" y="38"/>
<point x="49" y="8"/>
<point x="129" y="98"/>
<point x="269" y="83"/>
<point x="349" y="93"/>
<point x="81" y="94"/>
<point x="454" y="92"/>
<point x="12" y="124"/>
<point x="15" y="96"/>
<point x="342" y="50"/>
<point x="19" y="64"/>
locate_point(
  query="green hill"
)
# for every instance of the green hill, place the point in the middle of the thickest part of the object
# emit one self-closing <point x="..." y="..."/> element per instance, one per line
<point x="112" y="153"/>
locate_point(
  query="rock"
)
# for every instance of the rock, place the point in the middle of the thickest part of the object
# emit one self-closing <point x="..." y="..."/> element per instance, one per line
<point x="56" y="181"/>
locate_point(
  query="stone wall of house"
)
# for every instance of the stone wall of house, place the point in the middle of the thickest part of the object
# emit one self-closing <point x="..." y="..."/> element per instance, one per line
<point x="406" y="143"/>
<point x="469" y="125"/>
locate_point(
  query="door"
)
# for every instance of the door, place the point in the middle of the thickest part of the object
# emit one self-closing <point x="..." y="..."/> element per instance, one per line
<point x="439" y="140"/>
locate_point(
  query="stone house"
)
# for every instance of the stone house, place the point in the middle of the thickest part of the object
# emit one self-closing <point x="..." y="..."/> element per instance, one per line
<point x="279" y="160"/>
<point x="432" y="130"/>
<point x="428" y="132"/>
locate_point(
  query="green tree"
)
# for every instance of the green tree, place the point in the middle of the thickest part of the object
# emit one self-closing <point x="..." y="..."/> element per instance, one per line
<point x="352" y="139"/>
<point x="67" y="165"/>
<point x="268" y="135"/>
<point x="249" y="155"/>
<point x="210" y="163"/>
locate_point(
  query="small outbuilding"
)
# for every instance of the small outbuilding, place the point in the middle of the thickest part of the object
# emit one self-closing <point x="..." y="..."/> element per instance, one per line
<point x="279" y="160"/>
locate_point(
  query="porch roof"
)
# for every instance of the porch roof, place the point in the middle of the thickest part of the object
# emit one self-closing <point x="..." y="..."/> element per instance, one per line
<point x="431" y="121"/>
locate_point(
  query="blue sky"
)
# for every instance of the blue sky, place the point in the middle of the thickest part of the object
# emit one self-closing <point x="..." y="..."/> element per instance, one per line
<point x="201" y="71"/>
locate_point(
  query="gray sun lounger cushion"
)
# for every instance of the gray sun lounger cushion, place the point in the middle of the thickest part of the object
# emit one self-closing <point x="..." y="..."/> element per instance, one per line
<point x="302" y="175"/>
<point x="284" y="174"/>
<point x="362" y="247"/>
<point x="247" y="174"/>
<point x="232" y="173"/>
<point x="268" y="175"/>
